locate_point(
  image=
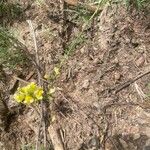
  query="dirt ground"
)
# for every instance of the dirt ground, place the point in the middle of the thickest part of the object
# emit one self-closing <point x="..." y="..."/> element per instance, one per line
<point x="96" y="106"/>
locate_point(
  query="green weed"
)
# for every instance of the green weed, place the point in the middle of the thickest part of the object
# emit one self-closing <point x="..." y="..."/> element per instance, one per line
<point x="73" y="44"/>
<point x="11" y="53"/>
<point x="31" y="147"/>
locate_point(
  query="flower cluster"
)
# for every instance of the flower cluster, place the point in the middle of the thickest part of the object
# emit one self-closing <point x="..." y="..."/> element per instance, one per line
<point x="29" y="94"/>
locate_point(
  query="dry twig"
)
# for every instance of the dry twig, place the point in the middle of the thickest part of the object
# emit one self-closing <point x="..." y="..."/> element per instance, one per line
<point x="76" y="3"/>
<point x="139" y="91"/>
<point x="36" y="49"/>
<point x="122" y="86"/>
<point x="42" y="121"/>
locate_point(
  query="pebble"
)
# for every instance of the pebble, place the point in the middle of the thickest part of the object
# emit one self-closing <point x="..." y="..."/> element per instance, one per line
<point x="94" y="143"/>
<point x="140" y="61"/>
<point x="82" y="50"/>
<point x="117" y="76"/>
<point x="136" y="136"/>
<point x="85" y="84"/>
<point x="123" y="143"/>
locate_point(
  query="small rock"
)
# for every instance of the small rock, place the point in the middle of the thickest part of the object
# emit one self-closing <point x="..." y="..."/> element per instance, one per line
<point x="97" y="61"/>
<point x="123" y="143"/>
<point x="117" y="76"/>
<point x="85" y="84"/>
<point x="136" y="136"/>
<point x="94" y="143"/>
<point x="46" y="45"/>
<point x="140" y="61"/>
<point x="96" y="104"/>
<point x="82" y="50"/>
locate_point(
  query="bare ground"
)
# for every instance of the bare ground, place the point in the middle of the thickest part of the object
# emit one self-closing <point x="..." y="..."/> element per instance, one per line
<point x="91" y="111"/>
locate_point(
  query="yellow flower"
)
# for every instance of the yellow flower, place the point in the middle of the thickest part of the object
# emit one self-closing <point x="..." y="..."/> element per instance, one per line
<point x="57" y="71"/>
<point x="29" y="94"/>
<point x="31" y="87"/>
<point x="39" y="94"/>
<point x="28" y="99"/>
<point x="22" y="90"/>
<point x="19" y="97"/>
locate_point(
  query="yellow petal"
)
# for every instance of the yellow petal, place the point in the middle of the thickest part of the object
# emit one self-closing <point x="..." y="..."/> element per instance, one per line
<point x="23" y="90"/>
<point x="28" y="99"/>
<point x="31" y="87"/>
<point x="39" y="94"/>
<point x="19" y="97"/>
